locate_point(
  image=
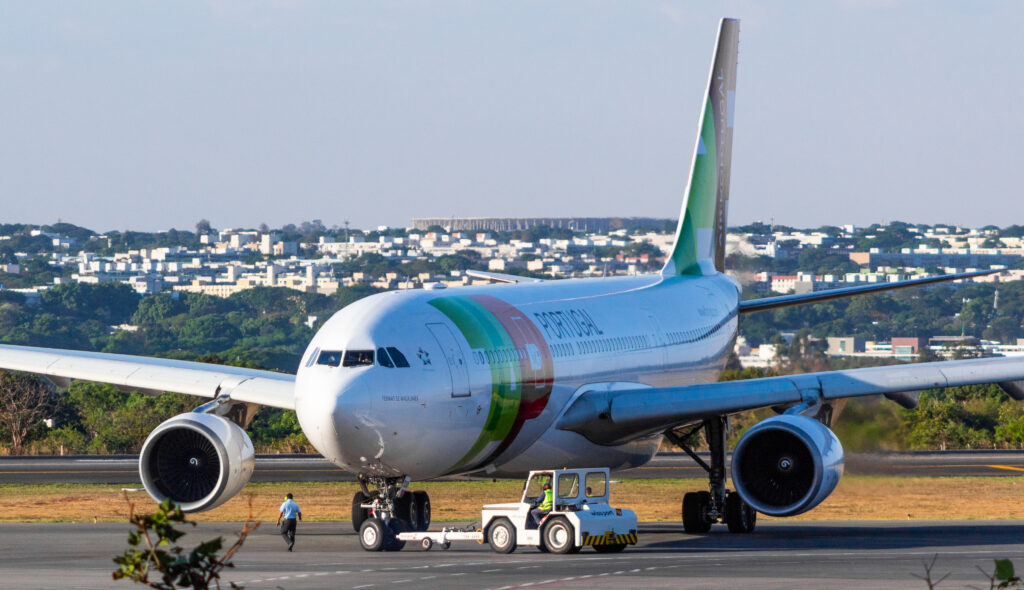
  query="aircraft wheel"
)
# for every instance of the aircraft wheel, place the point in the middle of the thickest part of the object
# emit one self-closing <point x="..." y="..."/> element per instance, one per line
<point x="740" y="517"/>
<point x="373" y="534"/>
<point x="403" y="507"/>
<point x="359" y="514"/>
<point x="414" y="513"/>
<point x="391" y="542"/>
<point x="616" y="548"/>
<point x="502" y="536"/>
<point x="558" y="535"/>
<point x="695" y="512"/>
<point x="422" y="500"/>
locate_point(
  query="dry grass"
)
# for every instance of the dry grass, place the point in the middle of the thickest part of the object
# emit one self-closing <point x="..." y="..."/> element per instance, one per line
<point x="856" y="498"/>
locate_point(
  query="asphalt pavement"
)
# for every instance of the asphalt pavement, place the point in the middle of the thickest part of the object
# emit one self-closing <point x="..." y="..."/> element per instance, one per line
<point x="123" y="469"/>
<point x="856" y="555"/>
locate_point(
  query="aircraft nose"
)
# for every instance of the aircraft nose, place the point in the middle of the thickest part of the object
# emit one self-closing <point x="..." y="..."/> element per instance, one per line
<point x="327" y="418"/>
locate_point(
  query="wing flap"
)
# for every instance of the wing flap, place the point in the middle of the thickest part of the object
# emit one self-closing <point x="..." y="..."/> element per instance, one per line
<point x="613" y="417"/>
<point x="153" y="375"/>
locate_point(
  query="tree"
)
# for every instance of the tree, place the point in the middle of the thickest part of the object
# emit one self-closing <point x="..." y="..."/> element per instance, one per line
<point x="198" y="569"/>
<point x="24" y="401"/>
<point x="203" y="227"/>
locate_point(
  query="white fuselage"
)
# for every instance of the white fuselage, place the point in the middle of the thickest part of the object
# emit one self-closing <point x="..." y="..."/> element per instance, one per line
<point x="491" y="368"/>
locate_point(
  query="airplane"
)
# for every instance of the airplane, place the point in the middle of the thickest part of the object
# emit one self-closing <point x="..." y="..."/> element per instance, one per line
<point x="523" y="374"/>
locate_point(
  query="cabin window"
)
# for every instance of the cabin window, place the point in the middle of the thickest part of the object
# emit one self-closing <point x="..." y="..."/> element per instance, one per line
<point x="357" y="358"/>
<point x="330" y="358"/>
<point x="383" y="359"/>
<point x="398" y="358"/>
<point x="568" y="486"/>
<point x="597" y="485"/>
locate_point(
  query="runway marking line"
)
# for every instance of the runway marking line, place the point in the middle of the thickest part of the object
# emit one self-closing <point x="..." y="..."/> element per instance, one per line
<point x="1009" y="467"/>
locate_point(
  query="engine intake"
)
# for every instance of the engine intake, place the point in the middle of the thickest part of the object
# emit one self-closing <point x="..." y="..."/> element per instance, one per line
<point x="786" y="465"/>
<point x="197" y="460"/>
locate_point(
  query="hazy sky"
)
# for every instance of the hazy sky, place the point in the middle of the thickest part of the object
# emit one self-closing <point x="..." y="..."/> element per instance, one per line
<point x="152" y="115"/>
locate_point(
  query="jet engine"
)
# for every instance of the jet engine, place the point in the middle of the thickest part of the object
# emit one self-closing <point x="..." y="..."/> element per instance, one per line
<point x="197" y="460"/>
<point x="786" y="465"/>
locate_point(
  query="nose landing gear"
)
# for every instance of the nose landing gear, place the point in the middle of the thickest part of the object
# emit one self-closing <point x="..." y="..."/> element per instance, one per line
<point x="386" y="510"/>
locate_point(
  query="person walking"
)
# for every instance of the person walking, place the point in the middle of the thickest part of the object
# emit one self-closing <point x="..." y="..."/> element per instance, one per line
<point x="288" y="513"/>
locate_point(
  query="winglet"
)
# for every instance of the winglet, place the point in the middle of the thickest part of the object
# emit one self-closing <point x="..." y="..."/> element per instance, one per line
<point x="700" y="237"/>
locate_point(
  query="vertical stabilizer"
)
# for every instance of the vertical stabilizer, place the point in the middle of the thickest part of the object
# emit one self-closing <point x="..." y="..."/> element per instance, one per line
<point x="700" y="237"/>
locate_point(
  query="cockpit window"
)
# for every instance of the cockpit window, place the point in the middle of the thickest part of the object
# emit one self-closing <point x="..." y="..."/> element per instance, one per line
<point x="357" y="358"/>
<point x="398" y="357"/>
<point x="383" y="359"/>
<point x="331" y="358"/>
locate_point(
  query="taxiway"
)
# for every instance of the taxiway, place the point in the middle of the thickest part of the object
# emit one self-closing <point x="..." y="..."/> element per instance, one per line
<point x="856" y="555"/>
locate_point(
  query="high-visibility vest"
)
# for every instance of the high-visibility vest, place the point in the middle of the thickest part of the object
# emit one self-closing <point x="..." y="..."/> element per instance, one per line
<point x="546" y="503"/>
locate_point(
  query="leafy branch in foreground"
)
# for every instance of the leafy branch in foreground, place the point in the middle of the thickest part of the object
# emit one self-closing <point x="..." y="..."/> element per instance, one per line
<point x="1003" y="576"/>
<point x="154" y="550"/>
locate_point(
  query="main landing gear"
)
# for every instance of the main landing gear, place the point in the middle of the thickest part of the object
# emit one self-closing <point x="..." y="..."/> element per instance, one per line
<point x="702" y="509"/>
<point x="386" y="510"/>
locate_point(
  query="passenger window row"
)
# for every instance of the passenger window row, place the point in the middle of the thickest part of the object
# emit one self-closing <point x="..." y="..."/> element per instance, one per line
<point x="504" y="356"/>
<point x="687" y="336"/>
<point x="499" y="356"/>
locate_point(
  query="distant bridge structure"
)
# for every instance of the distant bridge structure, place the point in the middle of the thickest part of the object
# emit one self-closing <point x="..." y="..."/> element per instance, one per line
<point x="583" y="224"/>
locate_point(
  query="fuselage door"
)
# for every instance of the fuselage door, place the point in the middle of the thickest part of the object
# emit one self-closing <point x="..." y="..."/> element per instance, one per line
<point x="454" y="357"/>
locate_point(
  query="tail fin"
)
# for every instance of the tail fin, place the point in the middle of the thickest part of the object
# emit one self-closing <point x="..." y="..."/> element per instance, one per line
<point x="700" y="236"/>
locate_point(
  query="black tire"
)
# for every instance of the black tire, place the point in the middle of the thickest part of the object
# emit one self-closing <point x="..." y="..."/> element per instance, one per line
<point x="391" y="542"/>
<point x="558" y="535"/>
<point x="423" y="504"/>
<point x="402" y="510"/>
<point x="373" y="534"/>
<point x="740" y="517"/>
<point x="359" y="514"/>
<point x="501" y="536"/>
<point x="414" y="513"/>
<point x="695" y="512"/>
<point x="609" y="548"/>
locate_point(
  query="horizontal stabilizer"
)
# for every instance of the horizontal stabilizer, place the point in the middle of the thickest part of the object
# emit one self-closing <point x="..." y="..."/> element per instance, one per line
<point x="752" y="305"/>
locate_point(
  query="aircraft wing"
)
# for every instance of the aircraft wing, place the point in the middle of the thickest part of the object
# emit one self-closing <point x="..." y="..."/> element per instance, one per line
<point x="153" y="375"/>
<point x="766" y="303"/>
<point x="612" y="417"/>
<point x="498" y="277"/>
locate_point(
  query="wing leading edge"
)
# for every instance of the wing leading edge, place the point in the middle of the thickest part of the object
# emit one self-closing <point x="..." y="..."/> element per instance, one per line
<point x="153" y="375"/>
<point x="612" y="417"/>
<point x="766" y="303"/>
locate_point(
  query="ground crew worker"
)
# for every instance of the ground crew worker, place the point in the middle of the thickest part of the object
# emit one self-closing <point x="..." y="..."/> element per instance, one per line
<point x="542" y="509"/>
<point x="289" y="511"/>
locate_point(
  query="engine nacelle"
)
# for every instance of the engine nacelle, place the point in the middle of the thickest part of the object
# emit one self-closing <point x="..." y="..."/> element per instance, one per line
<point x="197" y="460"/>
<point x="786" y="465"/>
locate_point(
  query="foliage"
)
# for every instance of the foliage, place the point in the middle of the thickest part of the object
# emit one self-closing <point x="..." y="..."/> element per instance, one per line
<point x="24" y="401"/>
<point x="154" y="550"/>
<point x="1003" y="576"/>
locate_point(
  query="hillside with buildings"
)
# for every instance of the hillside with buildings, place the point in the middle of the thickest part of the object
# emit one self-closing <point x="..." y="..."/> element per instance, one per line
<point x="256" y="296"/>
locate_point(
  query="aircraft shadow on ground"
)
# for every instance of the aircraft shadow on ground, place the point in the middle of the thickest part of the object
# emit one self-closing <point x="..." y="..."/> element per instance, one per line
<point x="889" y="536"/>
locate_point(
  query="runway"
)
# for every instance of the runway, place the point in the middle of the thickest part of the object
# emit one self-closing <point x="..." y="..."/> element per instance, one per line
<point x="858" y="555"/>
<point x="123" y="469"/>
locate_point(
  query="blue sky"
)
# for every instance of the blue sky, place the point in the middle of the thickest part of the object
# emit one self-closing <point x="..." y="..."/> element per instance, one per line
<point x="152" y="115"/>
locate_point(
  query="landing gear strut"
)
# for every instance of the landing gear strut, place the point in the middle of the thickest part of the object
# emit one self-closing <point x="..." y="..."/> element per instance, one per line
<point x="702" y="509"/>
<point x="380" y="513"/>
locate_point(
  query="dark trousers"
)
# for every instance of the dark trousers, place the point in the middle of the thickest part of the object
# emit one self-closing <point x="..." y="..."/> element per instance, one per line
<point x="536" y="515"/>
<point x="288" y="531"/>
